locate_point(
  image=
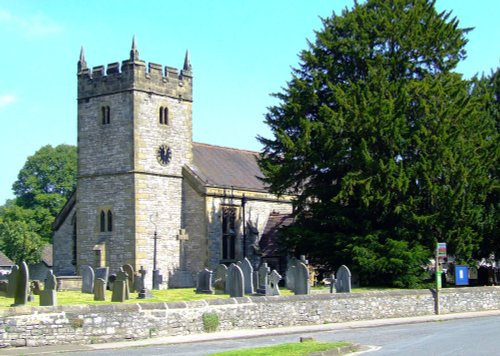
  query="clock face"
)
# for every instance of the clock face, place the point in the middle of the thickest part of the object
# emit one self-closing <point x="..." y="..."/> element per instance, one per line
<point x="164" y="154"/>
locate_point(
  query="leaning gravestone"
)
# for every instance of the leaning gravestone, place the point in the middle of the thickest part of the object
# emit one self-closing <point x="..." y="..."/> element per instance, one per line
<point x="22" y="285"/>
<point x="219" y="280"/>
<point x="102" y="273"/>
<point x="12" y="283"/>
<point x="343" y="282"/>
<point x="273" y="279"/>
<point x="204" y="283"/>
<point x="88" y="277"/>
<point x="247" y="269"/>
<point x="301" y="280"/>
<point x="99" y="289"/>
<point x="263" y="278"/>
<point x="235" y="281"/>
<point x="129" y="270"/>
<point x="49" y="296"/>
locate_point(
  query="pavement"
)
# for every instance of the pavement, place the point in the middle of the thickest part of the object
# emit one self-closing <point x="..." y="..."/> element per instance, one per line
<point x="243" y="334"/>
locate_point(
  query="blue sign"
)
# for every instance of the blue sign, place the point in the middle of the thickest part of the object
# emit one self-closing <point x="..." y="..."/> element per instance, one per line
<point x="461" y="275"/>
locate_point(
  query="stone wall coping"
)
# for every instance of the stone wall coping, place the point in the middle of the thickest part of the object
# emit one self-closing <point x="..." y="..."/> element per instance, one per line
<point x="199" y="304"/>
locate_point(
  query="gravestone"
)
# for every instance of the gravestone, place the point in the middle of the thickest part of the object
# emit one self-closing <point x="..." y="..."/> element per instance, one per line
<point x="102" y="273"/>
<point x="235" y="281"/>
<point x="88" y="277"/>
<point x="219" y="280"/>
<point x="301" y="279"/>
<point x="137" y="282"/>
<point x="111" y="281"/>
<point x="143" y="292"/>
<point x="247" y="269"/>
<point x="343" y="281"/>
<point x="157" y="279"/>
<point x="290" y="277"/>
<point x="273" y="279"/>
<point x="255" y="280"/>
<point x="22" y="285"/>
<point x="99" y="289"/>
<point x="120" y="287"/>
<point x="129" y="270"/>
<point x="204" y="284"/>
<point x="49" y="296"/>
<point x="12" y="283"/>
<point x="263" y="278"/>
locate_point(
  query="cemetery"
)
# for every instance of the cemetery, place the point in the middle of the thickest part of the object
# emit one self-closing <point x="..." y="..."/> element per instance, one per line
<point x="236" y="297"/>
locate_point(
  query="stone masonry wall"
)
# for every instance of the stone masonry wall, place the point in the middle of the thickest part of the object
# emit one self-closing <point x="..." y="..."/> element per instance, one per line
<point x="35" y="326"/>
<point x="63" y="246"/>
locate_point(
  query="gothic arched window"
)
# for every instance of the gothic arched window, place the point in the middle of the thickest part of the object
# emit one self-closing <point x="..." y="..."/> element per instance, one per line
<point x="105" y="116"/>
<point x="110" y="220"/>
<point x="163" y="115"/>
<point x="102" y="220"/>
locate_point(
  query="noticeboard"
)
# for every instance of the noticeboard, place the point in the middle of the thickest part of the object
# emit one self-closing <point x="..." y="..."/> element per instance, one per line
<point x="441" y="249"/>
<point x="461" y="275"/>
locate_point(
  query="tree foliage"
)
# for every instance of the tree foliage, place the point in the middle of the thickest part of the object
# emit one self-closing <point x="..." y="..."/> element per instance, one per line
<point x="387" y="149"/>
<point x="44" y="184"/>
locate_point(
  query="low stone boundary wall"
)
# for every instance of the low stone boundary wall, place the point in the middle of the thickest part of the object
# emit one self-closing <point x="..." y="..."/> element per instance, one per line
<point x="80" y="324"/>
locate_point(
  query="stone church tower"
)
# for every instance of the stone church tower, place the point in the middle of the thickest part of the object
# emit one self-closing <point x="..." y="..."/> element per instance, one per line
<point x="134" y="137"/>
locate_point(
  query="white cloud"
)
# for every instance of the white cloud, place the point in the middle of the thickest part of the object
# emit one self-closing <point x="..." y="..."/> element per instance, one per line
<point x="37" y="25"/>
<point x="6" y="100"/>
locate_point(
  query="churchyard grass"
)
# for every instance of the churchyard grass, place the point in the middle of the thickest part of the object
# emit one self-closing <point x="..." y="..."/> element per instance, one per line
<point x="168" y="295"/>
<point x="293" y="349"/>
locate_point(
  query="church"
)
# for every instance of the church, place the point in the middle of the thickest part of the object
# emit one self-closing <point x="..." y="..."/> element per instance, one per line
<point x="147" y="195"/>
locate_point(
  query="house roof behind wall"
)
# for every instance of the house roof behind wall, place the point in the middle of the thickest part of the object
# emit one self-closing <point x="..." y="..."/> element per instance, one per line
<point x="227" y="167"/>
<point x="269" y="243"/>
<point x="5" y="261"/>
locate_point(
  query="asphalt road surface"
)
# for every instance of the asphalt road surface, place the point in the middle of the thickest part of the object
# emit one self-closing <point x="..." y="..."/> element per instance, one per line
<point x="473" y="336"/>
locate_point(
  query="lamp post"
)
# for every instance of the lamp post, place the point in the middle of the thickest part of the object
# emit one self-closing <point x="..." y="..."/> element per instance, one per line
<point x="243" y="203"/>
<point x="155" y="239"/>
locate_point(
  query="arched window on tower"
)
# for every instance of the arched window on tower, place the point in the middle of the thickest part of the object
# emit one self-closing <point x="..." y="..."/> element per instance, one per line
<point x="103" y="221"/>
<point x="110" y="221"/>
<point x="163" y="115"/>
<point x="105" y="116"/>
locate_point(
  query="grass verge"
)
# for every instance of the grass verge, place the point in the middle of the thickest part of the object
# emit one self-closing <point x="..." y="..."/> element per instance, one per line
<point x="293" y="349"/>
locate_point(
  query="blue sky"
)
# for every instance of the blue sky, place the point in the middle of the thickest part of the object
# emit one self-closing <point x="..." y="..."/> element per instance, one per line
<point x="241" y="51"/>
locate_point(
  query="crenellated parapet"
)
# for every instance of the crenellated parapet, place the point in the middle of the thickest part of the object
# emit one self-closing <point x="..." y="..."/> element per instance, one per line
<point x="134" y="74"/>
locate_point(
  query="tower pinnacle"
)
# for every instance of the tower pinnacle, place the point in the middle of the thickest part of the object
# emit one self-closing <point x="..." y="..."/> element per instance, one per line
<point x="82" y="64"/>
<point x="187" y="62"/>
<point x="134" y="53"/>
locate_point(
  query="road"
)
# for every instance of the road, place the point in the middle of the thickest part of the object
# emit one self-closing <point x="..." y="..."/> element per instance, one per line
<point x="472" y="336"/>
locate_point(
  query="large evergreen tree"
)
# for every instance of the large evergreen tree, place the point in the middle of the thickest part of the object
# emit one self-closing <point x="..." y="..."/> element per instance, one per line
<point x="385" y="146"/>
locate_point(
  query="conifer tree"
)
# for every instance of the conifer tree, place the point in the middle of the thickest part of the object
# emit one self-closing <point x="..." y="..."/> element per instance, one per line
<point x="384" y="145"/>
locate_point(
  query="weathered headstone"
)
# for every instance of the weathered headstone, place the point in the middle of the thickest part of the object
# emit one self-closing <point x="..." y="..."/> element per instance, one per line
<point x="219" y="280"/>
<point x="273" y="279"/>
<point x="235" y="281"/>
<point x="264" y="271"/>
<point x="88" y="277"/>
<point x="157" y="279"/>
<point x="99" y="289"/>
<point x="137" y="282"/>
<point x="111" y="281"/>
<point x="247" y="269"/>
<point x="204" y="284"/>
<point x="343" y="281"/>
<point x="120" y="287"/>
<point x="255" y="280"/>
<point x="102" y="273"/>
<point x="290" y="276"/>
<point x="129" y="270"/>
<point x="49" y="295"/>
<point x="12" y="284"/>
<point x="22" y="285"/>
<point x="301" y="280"/>
<point x="35" y="287"/>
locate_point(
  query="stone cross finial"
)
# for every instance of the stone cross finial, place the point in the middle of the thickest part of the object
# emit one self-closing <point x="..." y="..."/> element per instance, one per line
<point x="187" y="62"/>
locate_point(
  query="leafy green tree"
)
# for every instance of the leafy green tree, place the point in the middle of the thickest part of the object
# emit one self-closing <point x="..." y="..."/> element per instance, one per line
<point x="385" y="147"/>
<point x="45" y="182"/>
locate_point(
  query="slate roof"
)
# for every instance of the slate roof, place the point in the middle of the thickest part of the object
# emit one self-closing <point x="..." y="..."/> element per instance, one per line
<point x="47" y="255"/>
<point x="269" y="242"/>
<point x="5" y="261"/>
<point x="227" y="167"/>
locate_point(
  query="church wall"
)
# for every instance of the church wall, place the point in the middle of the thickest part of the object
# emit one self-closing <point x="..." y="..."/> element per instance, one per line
<point x="256" y="214"/>
<point x="106" y="193"/>
<point x="194" y="220"/>
<point x="63" y="247"/>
